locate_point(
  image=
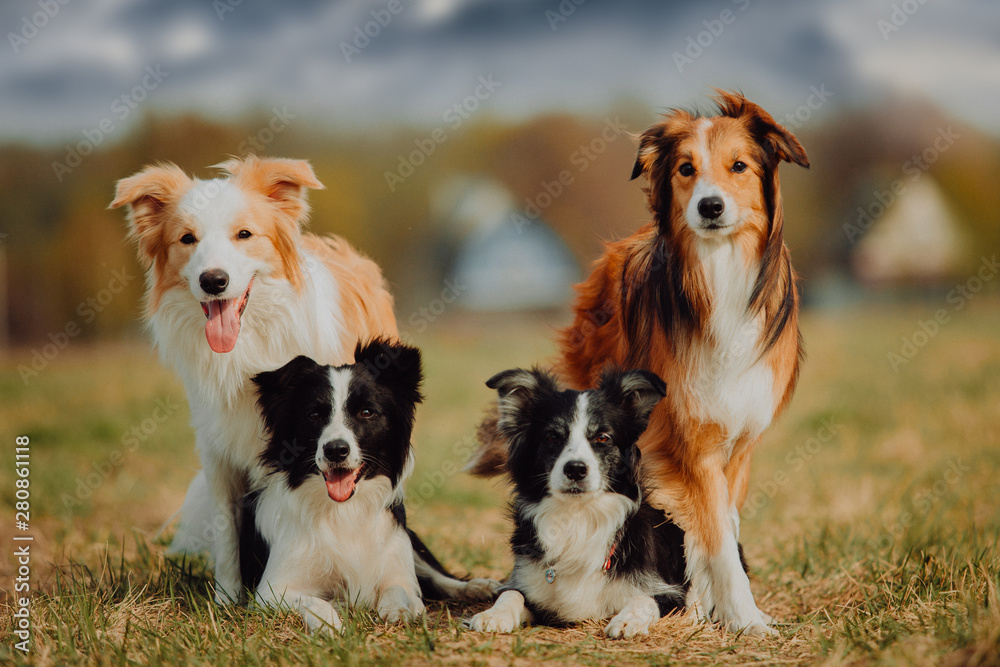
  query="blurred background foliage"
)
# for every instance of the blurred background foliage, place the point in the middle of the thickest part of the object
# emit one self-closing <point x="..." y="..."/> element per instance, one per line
<point x="64" y="245"/>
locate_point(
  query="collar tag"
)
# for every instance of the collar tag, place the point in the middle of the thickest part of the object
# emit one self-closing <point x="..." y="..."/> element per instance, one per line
<point x="550" y="575"/>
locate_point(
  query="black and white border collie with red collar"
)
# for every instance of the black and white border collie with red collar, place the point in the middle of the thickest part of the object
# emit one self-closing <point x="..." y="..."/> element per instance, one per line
<point x="586" y="543"/>
<point x="329" y="522"/>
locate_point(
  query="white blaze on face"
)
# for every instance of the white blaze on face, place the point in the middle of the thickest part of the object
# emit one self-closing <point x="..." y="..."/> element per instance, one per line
<point x="578" y="449"/>
<point x="705" y="186"/>
<point x="214" y="209"/>
<point x="341" y="477"/>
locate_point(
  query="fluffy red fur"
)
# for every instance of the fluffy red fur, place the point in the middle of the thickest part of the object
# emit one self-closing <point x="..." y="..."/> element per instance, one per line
<point x="711" y="306"/>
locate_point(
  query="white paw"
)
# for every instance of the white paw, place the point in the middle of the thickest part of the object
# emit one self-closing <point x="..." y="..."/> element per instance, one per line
<point x="223" y="596"/>
<point x="322" y="621"/>
<point x="752" y="622"/>
<point x="494" y="620"/>
<point x="480" y="589"/>
<point x="635" y="619"/>
<point x="396" y="606"/>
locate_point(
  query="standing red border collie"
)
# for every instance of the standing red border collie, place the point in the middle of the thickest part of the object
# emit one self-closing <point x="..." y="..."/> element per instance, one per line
<point x="234" y="288"/>
<point x="705" y="297"/>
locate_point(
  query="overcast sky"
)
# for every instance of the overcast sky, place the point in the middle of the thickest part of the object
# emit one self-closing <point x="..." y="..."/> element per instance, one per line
<point x="224" y="57"/>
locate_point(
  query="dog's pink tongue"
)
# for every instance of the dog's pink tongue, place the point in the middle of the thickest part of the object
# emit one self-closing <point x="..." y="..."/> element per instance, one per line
<point x="223" y="326"/>
<point x="340" y="484"/>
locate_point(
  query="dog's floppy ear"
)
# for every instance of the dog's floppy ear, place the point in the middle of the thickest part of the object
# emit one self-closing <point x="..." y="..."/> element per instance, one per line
<point x="778" y="143"/>
<point x="275" y="389"/>
<point x="148" y="194"/>
<point x="649" y="150"/>
<point x="282" y="180"/>
<point x="393" y="365"/>
<point x="638" y="390"/>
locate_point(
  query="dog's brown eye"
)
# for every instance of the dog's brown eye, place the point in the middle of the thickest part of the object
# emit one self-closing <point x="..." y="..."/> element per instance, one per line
<point x="552" y="438"/>
<point x="313" y="416"/>
<point x="686" y="169"/>
<point x="366" y="413"/>
<point x="188" y="239"/>
<point x="244" y="234"/>
<point x="603" y="438"/>
<point x="739" y="167"/>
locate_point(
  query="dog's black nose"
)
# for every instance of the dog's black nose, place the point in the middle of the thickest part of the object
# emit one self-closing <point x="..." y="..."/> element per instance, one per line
<point x="214" y="281"/>
<point x="575" y="470"/>
<point x="336" y="451"/>
<point x="711" y="207"/>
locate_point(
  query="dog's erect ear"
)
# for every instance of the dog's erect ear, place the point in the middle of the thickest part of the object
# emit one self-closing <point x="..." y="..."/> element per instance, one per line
<point x="281" y="180"/>
<point x="517" y="387"/>
<point x="517" y="390"/>
<point x="275" y="389"/>
<point x="639" y="390"/>
<point x="148" y="194"/>
<point x="393" y="365"/>
<point x="778" y="143"/>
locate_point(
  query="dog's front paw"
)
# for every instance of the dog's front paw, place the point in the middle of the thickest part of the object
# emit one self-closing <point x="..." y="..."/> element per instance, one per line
<point x="494" y="620"/>
<point x="755" y="627"/>
<point x="634" y="619"/>
<point x="395" y="606"/>
<point x="222" y="595"/>
<point x="321" y="619"/>
<point x="480" y="589"/>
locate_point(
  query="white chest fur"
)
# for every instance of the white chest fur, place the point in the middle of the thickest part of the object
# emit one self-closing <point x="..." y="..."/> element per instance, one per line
<point x="329" y="549"/>
<point x="576" y="535"/>
<point x="729" y="383"/>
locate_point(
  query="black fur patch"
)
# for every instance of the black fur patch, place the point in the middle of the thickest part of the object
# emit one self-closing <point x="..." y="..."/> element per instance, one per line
<point x="535" y="417"/>
<point x="297" y="401"/>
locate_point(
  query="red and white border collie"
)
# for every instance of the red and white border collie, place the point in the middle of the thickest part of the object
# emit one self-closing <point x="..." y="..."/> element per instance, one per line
<point x="235" y="288"/>
<point x="705" y="297"/>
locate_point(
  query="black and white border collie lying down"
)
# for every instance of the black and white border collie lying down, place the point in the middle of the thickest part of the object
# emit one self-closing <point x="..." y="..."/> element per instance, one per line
<point x="329" y="522"/>
<point x="586" y="544"/>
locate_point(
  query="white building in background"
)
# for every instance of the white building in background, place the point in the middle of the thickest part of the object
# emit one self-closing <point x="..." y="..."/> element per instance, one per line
<point x="917" y="239"/>
<point x="502" y="259"/>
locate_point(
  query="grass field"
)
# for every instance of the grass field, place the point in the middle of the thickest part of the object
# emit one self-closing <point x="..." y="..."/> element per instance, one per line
<point x="871" y="527"/>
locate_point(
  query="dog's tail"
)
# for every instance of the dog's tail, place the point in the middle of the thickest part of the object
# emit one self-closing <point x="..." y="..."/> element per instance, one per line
<point x="437" y="583"/>
<point x="490" y="459"/>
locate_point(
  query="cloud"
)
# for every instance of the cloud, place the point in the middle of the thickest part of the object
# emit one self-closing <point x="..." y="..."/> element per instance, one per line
<point x="419" y="61"/>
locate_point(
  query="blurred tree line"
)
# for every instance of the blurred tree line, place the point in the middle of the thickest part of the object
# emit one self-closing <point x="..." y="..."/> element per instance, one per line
<point x="67" y="261"/>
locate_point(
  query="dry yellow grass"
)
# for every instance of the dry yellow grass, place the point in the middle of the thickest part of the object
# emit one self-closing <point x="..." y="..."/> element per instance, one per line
<point x="871" y="526"/>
